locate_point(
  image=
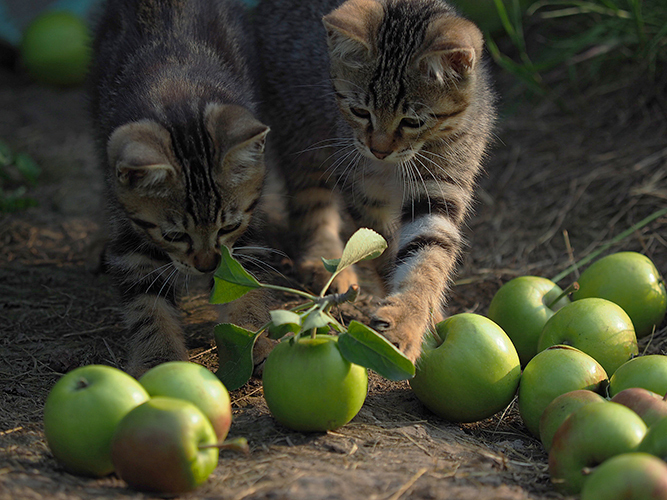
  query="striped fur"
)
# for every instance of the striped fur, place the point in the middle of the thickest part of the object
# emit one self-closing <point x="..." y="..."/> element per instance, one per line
<point x="173" y="103"/>
<point x="381" y="108"/>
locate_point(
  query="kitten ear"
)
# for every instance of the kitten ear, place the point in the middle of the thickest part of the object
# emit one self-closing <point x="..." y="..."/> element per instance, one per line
<point x="351" y="29"/>
<point x="241" y="137"/>
<point x="139" y="153"/>
<point x="451" y="49"/>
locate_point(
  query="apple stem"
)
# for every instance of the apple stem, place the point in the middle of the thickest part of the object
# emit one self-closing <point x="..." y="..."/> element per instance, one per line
<point x="82" y="383"/>
<point x="239" y="444"/>
<point x="586" y="471"/>
<point x="338" y="298"/>
<point x="572" y="288"/>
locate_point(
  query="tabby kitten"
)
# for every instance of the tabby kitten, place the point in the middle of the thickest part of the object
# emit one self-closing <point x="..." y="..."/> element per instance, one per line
<point x="173" y="106"/>
<point x="380" y="108"/>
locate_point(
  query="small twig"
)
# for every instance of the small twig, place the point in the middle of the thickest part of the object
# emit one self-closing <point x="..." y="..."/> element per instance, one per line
<point x="615" y="240"/>
<point x="339" y="298"/>
<point x="9" y="431"/>
<point x="570" y="251"/>
<point x="113" y="355"/>
<point x="199" y="354"/>
<point x="417" y="444"/>
<point x="408" y="485"/>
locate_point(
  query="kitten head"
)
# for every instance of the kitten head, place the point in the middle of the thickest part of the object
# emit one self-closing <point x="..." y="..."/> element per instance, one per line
<point x="193" y="187"/>
<point x="404" y="73"/>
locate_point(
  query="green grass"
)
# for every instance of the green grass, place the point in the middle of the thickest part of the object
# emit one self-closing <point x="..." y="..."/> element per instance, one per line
<point x="18" y="172"/>
<point x="581" y="38"/>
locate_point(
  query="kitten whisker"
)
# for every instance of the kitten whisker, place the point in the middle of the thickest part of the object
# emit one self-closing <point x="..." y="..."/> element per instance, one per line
<point x="315" y="147"/>
<point x="416" y="168"/>
<point x="439" y="166"/>
<point x="362" y="90"/>
<point x="438" y="183"/>
<point x="164" y="269"/>
<point x="163" y="285"/>
<point x="343" y="154"/>
<point x="172" y="284"/>
<point x="348" y="168"/>
<point x="260" y="263"/>
<point x="261" y="249"/>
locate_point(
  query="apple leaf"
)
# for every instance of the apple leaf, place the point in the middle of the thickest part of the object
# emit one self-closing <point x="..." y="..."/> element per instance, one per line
<point x="315" y="319"/>
<point x="330" y="264"/>
<point x="231" y="281"/>
<point x="283" y="322"/>
<point x="234" y="354"/>
<point x="364" y="346"/>
<point x="364" y="244"/>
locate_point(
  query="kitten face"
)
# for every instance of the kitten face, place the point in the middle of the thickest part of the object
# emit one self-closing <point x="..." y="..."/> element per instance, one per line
<point x="400" y="83"/>
<point x="191" y="193"/>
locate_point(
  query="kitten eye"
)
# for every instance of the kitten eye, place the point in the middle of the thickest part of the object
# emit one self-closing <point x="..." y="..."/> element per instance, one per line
<point x="360" y="113"/>
<point x="176" y="237"/>
<point x="411" y="123"/>
<point x="229" y="229"/>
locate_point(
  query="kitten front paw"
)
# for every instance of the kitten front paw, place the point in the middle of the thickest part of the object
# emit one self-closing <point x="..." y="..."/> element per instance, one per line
<point x="403" y="323"/>
<point x="315" y="276"/>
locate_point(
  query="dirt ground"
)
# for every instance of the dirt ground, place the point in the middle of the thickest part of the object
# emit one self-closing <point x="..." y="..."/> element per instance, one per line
<point x="562" y="181"/>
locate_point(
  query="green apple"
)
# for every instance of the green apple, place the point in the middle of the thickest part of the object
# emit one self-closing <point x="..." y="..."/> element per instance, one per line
<point x="636" y="476"/>
<point x="649" y="372"/>
<point x="194" y="383"/>
<point x="655" y="441"/>
<point x="588" y="437"/>
<point x="552" y="372"/>
<point x="650" y="406"/>
<point x="522" y="307"/>
<point x="632" y="281"/>
<point x="598" y="327"/>
<point x="81" y="413"/>
<point x="165" y="445"/>
<point x="310" y="387"/>
<point x="468" y="371"/>
<point x="561" y="408"/>
<point x="56" y="48"/>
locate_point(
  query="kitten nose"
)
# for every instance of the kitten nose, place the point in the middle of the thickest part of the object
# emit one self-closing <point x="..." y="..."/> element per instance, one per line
<point x="380" y="155"/>
<point x="207" y="263"/>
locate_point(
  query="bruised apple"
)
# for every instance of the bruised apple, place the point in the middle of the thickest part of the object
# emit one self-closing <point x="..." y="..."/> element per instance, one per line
<point x="166" y="445"/>
<point x="588" y="437"/>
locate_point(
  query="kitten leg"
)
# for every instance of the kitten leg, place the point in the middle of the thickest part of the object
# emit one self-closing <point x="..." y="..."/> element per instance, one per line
<point x="315" y="213"/>
<point x="426" y="258"/>
<point x="149" y="304"/>
<point x="156" y="335"/>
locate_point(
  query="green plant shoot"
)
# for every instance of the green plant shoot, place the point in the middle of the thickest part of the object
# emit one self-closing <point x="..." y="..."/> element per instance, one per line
<point x="358" y="343"/>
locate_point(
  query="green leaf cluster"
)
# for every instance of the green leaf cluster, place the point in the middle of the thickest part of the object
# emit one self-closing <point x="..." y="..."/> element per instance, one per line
<point x="358" y="343"/>
<point x="18" y="172"/>
<point x="581" y="37"/>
